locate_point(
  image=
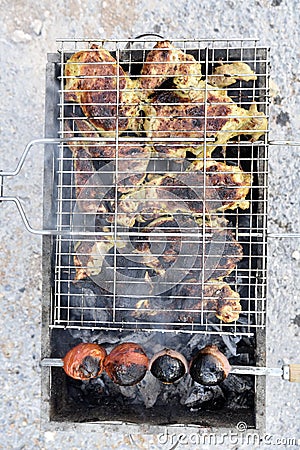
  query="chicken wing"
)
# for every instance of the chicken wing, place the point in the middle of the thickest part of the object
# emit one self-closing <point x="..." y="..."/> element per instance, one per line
<point x="89" y="255"/>
<point x="227" y="74"/>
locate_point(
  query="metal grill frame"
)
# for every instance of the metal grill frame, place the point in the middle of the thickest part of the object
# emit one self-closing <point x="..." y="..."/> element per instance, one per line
<point x="53" y="388"/>
<point x="256" y="303"/>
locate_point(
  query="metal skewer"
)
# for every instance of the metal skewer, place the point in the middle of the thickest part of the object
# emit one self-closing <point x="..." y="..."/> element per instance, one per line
<point x="289" y="372"/>
<point x="52" y="362"/>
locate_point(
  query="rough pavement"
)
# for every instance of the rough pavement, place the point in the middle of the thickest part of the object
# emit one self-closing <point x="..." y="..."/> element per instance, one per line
<point x="29" y="30"/>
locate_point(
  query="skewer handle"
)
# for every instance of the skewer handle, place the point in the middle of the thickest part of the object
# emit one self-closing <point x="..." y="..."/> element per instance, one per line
<point x="294" y="373"/>
<point x="289" y="372"/>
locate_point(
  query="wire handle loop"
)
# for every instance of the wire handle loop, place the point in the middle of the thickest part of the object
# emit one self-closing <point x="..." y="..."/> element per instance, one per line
<point x="284" y="142"/>
<point x="69" y="232"/>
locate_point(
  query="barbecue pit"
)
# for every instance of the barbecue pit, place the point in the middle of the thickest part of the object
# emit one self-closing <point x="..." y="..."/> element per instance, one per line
<point x="100" y="309"/>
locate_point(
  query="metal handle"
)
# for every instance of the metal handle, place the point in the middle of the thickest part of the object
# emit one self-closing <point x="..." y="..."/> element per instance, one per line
<point x="129" y="43"/>
<point x="14" y="173"/>
<point x="17" y="170"/>
<point x="288" y="372"/>
<point x="284" y="142"/>
<point x="52" y="362"/>
<point x="149" y="34"/>
<point x="16" y="199"/>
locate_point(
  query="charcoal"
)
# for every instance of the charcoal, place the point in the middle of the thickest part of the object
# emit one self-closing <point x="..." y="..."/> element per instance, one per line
<point x="231" y="344"/>
<point x="129" y="391"/>
<point x="92" y="392"/>
<point x="149" y="390"/>
<point x="88" y="306"/>
<point x="204" y="397"/>
<point x="237" y="383"/>
<point x="198" y="341"/>
<point x="234" y="392"/>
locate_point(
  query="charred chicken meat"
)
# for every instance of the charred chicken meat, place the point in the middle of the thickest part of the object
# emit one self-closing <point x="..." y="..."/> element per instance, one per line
<point x="210" y="188"/>
<point x="168" y="99"/>
<point x="189" y="301"/>
<point x="207" y="111"/>
<point x="165" y="61"/>
<point x="104" y="91"/>
<point x="217" y="255"/>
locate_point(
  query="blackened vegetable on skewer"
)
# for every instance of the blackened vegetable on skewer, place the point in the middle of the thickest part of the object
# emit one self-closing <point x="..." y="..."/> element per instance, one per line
<point x="209" y="367"/>
<point x="84" y="361"/>
<point x="168" y="366"/>
<point x="127" y="364"/>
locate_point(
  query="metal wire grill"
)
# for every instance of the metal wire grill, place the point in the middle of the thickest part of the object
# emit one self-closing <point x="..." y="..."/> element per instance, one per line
<point x="146" y="184"/>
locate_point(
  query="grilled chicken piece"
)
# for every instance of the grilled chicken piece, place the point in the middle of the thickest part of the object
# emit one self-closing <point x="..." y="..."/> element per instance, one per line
<point x="166" y="61"/>
<point x="161" y="252"/>
<point x="133" y="157"/>
<point x="89" y="256"/>
<point x="227" y="74"/>
<point x="217" y="296"/>
<point x="88" y="193"/>
<point x="86" y="196"/>
<point x="193" y="113"/>
<point x="93" y="79"/>
<point x="225" y="187"/>
<point x="190" y="301"/>
<point x="172" y="151"/>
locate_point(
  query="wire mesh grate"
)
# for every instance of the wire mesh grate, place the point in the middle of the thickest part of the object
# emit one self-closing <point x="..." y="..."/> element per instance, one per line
<point x="165" y="184"/>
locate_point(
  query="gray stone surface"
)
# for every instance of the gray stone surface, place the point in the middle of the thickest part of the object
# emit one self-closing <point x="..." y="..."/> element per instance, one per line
<point x="29" y="30"/>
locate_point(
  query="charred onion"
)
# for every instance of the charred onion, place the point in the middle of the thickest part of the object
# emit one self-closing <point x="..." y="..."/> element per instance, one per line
<point x="126" y="364"/>
<point x="209" y="366"/>
<point x="168" y="366"/>
<point x="84" y="361"/>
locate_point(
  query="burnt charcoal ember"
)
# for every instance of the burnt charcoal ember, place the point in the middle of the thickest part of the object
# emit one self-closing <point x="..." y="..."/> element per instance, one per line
<point x="95" y="386"/>
<point x="204" y="397"/>
<point x="236" y="391"/>
<point x="84" y="335"/>
<point x="197" y="341"/>
<point x="238" y="383"/>
<point x="239" y="391"/>
<point x="129" y="392"/>
<point x="171" y="394"/>
<point x="149" y="390"/>
<point x="91" y="393"/>
<point x="127" y="264"/>
<point x="87" y="304"/>
<point x="231" y="344"/>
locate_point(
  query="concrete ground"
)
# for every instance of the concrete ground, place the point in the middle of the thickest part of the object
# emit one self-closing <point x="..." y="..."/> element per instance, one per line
<point x="29" y="30"/>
